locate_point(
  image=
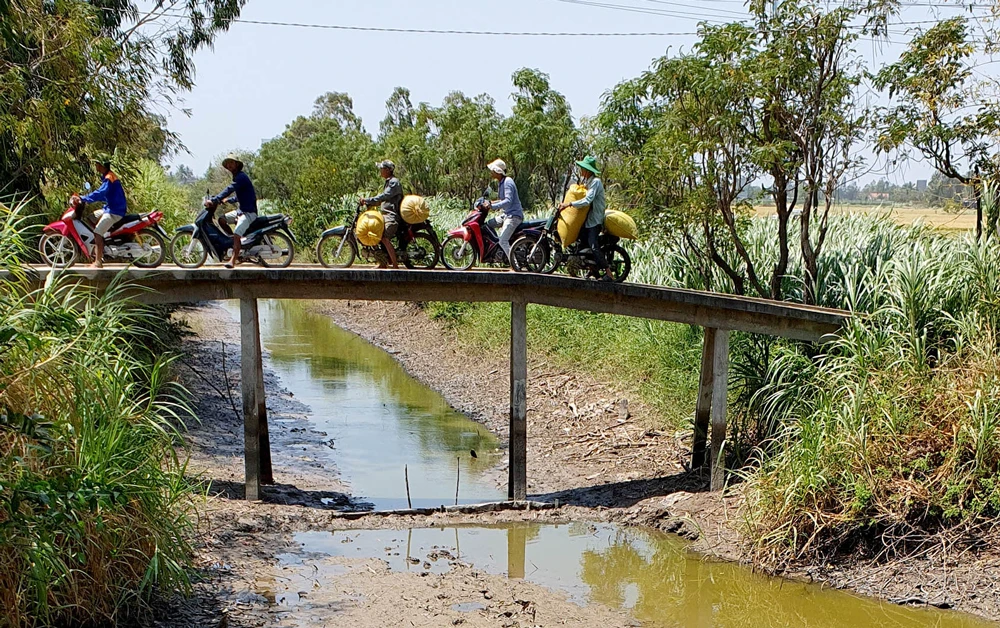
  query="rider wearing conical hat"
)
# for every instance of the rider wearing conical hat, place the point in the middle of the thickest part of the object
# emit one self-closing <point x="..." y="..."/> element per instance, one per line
<point x="590" y="234"/>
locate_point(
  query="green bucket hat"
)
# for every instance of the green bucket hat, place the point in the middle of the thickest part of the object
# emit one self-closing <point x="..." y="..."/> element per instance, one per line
<point x="589" y="163"/>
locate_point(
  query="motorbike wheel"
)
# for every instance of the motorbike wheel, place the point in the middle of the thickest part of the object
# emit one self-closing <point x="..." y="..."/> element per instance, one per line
<point x="58" y="251"/>
<point x="187" y="252"/>
<point x="421" y="252"/>
<point x="458" y="254"/>
<point x="620" y="263"/>
<point x="556" y="255"/>
<point x="283" y="242"/>
<point x="522" y="259"/>
<point x="336" y="251"/>
<point x="157" y="249"/>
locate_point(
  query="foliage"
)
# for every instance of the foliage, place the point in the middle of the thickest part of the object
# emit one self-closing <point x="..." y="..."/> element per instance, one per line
<point x="150" y="189"/>
<point x="92" y="495"/>
<point x="891" y="434"/>
<point x="940" y="108"/>
<point x="79" y="76"/>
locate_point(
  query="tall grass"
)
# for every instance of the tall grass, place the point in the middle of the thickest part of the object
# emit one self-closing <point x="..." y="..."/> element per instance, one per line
<point x="93" y="515"/>
<point x="892" y="433"/>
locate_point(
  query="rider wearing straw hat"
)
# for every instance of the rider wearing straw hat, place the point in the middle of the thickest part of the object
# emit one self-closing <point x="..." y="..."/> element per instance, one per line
<point x="246" y="196"/>
<point x="590" y="234"/>
<point x="508" y="204"/>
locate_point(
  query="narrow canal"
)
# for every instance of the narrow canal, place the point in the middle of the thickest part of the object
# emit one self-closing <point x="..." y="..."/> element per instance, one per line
<point x="382" y="420"/>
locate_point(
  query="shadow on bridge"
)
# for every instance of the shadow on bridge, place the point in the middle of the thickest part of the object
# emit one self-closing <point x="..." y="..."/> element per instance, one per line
<point x="286" y="495"/>
<point x="629" y="493"/>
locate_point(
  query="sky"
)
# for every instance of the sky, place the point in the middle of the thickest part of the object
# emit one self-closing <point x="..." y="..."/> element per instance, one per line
<point x="257" y="78"/>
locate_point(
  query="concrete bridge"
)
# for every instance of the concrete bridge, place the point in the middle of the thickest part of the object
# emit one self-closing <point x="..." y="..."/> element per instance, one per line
<point x="717" y="313"/>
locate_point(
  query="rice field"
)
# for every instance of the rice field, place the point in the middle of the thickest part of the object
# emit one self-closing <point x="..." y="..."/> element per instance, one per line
<point x="902" y="215"/>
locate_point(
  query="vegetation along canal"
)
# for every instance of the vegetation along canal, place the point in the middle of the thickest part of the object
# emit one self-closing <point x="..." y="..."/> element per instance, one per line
<point x="381" y="419"/>
<point x="384" y="424"/>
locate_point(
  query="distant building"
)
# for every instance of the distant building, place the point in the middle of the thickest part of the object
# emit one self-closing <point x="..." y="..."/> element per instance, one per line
<point x="921" y="185"/>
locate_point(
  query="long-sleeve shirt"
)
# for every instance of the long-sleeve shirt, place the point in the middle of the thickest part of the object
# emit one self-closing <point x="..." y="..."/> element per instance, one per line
<point x="391" y="197"/>
<point x="111" y="193"/>
<point x="508" y="202"/>
<point x="245" y="193"/>
<point x="594" y="198"/>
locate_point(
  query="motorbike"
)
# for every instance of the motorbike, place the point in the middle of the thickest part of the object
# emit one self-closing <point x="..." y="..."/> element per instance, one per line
<point x="269" y="241"/>
<point x="419" y="248"/>
<point x="135" y="239"/>
<point x="542" y="252"/>
<point x="478" y="241"/>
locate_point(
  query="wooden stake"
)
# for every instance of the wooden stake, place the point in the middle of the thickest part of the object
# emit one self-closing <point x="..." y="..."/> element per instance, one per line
<point x="458" y="476"/>
<point x="406" y="475"/>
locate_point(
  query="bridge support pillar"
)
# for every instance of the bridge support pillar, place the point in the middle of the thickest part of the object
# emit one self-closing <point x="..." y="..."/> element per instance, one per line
<point x="710" y="414"/>
<point x="517" y="480"/>
<point x="256" y="441"/>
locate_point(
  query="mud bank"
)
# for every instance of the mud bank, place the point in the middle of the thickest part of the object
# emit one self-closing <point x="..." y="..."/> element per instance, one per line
<point x="600" y="448"/>
<point x="595" y="449"/>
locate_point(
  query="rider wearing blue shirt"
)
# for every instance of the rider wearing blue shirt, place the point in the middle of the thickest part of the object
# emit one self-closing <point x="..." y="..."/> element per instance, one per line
<point x="247" y="198"/>
<point x="112" y="194"/>
<point x="508" y="203"/>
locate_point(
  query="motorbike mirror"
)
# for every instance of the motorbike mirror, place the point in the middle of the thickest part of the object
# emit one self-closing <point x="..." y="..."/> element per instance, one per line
<point x="86" y="185"/>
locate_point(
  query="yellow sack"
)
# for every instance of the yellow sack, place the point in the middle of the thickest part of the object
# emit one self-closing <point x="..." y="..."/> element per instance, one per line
<point x="620" y="224"/>
<point x="414" y="209"/>
<point x="370" y="227"/>
<point x="571" y="219"/>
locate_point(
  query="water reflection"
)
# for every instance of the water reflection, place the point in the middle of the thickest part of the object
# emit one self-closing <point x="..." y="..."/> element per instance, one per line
<point x="379" y="417"/>
<point x="651" y="575"/>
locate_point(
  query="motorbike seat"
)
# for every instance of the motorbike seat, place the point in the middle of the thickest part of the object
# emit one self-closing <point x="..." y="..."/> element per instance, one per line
<point x="528" y="224"/>
<point x="126" y="219"/>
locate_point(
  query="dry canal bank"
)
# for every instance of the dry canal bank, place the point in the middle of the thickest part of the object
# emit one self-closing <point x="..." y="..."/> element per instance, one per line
<point x="346" y="420"/>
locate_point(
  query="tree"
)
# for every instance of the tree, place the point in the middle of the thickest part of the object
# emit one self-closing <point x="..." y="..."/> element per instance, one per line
<point x="467" y="138"/>
<point x="406" y="138"/>
<point x="940" y="109"/>
<point x="542" y="138"/>
<point x="78" y="77"/>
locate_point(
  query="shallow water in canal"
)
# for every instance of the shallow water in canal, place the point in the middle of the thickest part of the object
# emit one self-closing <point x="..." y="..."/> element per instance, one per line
<point x="380" y="419"/>
<point x="649" y="574"/>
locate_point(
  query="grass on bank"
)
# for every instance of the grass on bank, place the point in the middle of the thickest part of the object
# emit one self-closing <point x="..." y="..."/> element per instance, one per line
<point x="93" y="501"/>
<point x="658" y="361"/>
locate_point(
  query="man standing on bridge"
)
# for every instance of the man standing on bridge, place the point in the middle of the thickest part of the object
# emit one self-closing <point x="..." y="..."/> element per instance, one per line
<point x="246" y="196"/>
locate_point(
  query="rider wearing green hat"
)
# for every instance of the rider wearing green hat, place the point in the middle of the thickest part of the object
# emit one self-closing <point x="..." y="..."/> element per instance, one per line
<point x="590" y="234"/>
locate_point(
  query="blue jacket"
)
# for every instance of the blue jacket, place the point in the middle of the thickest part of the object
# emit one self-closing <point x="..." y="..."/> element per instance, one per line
<point x="111" y="193"/>
<point x="245" y="193"/>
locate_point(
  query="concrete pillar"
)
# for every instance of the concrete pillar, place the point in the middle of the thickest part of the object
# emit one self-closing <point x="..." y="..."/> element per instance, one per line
<point x="266" y="472"/>
<point x="703" y="410"/>
<point x="517" y="481"/>
<point x="720" y="386"/>
<point x="250" y="370"/>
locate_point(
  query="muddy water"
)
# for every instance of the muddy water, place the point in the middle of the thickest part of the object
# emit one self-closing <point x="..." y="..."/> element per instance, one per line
<point x="382" y="421"/>
<point x="649" y="574"/>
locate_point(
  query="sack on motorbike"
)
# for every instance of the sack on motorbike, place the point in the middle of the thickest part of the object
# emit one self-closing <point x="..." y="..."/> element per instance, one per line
<point x="370" y="227"/>
<point x="620" y="224"/>
<point x="571" y="219"/>
<point x="414" y="209"/>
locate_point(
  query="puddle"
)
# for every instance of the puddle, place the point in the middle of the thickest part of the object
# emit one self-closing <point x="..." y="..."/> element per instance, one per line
<point x="648" y="574"/>
<point x="378" y="418"/>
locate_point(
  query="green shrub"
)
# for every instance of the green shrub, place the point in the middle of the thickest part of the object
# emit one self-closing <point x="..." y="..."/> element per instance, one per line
<point x="93" y="502"/>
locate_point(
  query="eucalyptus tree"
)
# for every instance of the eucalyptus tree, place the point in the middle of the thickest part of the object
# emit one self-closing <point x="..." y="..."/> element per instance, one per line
<point x="406" y="137"/>
<point x="467" y="136"/>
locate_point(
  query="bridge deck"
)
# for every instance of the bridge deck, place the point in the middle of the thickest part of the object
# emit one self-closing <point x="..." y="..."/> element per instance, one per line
<point x="717" y="313"/>
<point x="708" y="309"/>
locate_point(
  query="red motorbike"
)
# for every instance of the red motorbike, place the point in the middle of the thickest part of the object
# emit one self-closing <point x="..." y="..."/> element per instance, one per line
<point x="477" y="241"/>
<point x="136" y="239"/>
